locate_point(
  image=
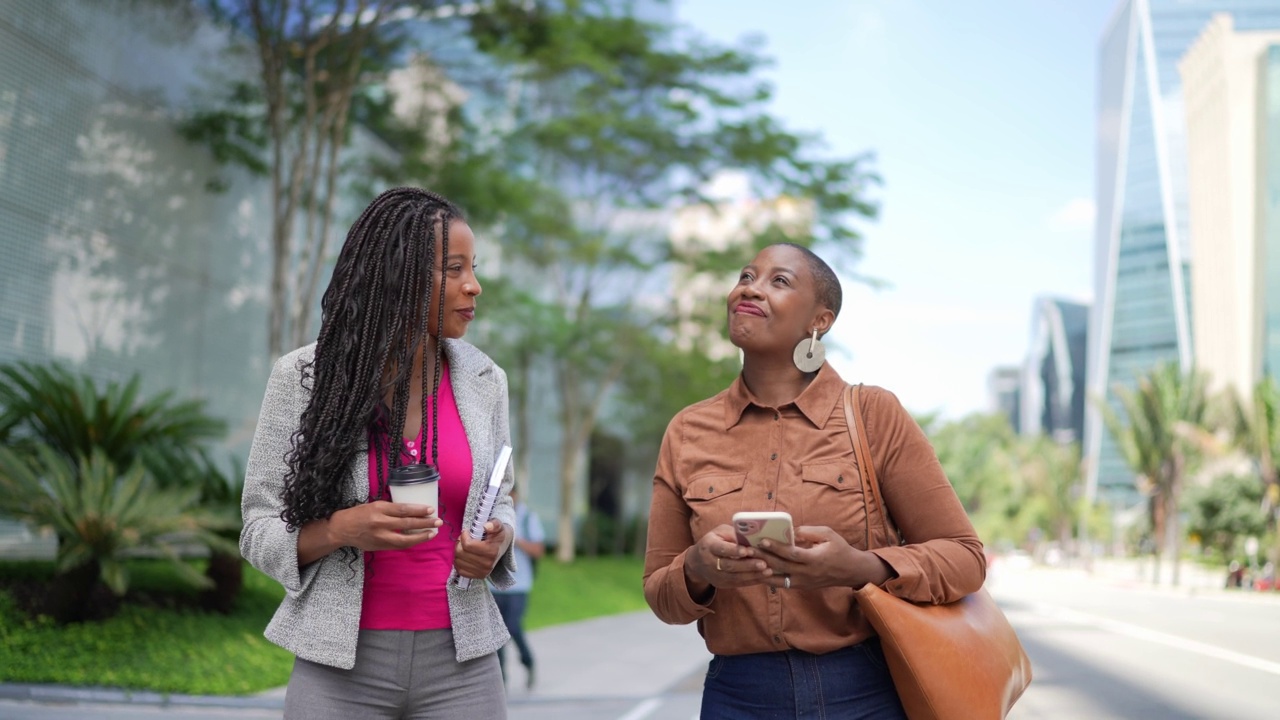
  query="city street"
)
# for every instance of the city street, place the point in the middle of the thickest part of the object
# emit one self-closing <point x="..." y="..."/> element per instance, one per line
<point x="1106" y="650"/>
<point x="1103" y="648"/>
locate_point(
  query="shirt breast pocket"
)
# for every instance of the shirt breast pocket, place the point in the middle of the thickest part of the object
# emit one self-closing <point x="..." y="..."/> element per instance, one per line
<point x="713" y="498"/>
<point x="833" y="497"/>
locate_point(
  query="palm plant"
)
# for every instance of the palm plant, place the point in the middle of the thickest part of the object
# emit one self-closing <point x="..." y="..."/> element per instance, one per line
<point x="1164" y="415"/>
<point x="219" y="498"/>
<point x="101" y="516"/>
<point x="52" y="410"/>
<point x="1255" y="427"/>
<point x="52" y="405"/>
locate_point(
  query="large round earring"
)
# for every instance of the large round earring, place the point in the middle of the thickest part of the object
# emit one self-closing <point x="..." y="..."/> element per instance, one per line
<point x="809" y="354"/>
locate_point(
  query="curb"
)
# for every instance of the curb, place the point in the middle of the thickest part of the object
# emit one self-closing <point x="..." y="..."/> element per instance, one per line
<point x="41" y="693"/>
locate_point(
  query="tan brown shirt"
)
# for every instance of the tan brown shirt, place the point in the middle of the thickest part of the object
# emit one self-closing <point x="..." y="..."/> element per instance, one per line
<point x="731" y="453"/>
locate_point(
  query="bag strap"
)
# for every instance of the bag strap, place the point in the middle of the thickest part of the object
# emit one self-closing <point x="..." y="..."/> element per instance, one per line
<point x="866" y="469"/>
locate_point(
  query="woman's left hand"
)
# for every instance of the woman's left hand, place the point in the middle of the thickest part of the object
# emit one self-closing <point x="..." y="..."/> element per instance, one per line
<point x="821" y="558"/>
<point x="475" y="559"/>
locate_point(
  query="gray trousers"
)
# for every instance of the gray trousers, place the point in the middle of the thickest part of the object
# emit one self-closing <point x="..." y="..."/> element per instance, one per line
<point x="399" y="675"/>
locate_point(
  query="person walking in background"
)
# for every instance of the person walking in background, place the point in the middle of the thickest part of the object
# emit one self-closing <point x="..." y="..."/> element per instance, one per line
<point x="782" y="623"/>
<point x="513" y="601"/>
<point x="372" y="610"/>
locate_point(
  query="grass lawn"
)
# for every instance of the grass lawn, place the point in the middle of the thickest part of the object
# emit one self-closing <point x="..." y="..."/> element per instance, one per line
<point x="169" y="647"/>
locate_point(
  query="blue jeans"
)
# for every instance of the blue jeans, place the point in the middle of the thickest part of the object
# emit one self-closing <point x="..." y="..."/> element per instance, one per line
<point x="512" y="606"/>
<point x="852" y="683"/>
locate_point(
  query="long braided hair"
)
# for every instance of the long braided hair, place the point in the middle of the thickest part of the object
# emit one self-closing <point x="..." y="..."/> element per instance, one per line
<point x="373" y="322"/>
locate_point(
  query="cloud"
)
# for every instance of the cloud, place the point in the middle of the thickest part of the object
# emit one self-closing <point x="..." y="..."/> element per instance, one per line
<point x="1077" y="214"/>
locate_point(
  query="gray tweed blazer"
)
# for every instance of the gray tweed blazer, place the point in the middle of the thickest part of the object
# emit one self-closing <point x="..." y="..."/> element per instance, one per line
<point x="319" y="618"/>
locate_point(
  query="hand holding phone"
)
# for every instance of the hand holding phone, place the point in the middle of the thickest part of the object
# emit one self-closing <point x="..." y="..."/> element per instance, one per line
<point x="752" y="527"/>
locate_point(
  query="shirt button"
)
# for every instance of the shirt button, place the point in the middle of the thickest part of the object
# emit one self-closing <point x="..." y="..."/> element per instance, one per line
<point x="773" y="456"/>
<point x="413" y="452"/>
<point x="770" y="495"/>
<point x="776" y="415"/>
<point x="773" y="591"/>
<point x="839" y="478"/>
<point x="777" y="639"/>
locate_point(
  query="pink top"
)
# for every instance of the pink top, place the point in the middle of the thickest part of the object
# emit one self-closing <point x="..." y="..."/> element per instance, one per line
<point x="405" y="589"/>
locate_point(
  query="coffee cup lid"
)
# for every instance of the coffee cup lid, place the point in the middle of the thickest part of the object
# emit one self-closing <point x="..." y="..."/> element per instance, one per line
<point x="414" y="474"/>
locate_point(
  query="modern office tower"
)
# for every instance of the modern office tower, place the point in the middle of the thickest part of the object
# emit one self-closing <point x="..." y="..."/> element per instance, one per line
<point x="1228" y="106"/>
<point x="1141" y="315"/>
<point x="1269" y="206"/>
<point x="1004" y="387"/>
<point x="1052" y="396"/>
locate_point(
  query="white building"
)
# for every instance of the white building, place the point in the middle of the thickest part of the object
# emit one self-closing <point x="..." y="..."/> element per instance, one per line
<point x="1226" y="113"/>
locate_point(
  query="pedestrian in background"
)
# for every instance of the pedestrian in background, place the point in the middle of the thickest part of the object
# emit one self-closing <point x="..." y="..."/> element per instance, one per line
<point x="372" y="610"/>
<point x="782" y="622"/>
<point x="513" y="601"/>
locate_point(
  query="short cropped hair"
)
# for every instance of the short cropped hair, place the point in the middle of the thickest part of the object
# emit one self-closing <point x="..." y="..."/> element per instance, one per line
<point x="826" y="285"/>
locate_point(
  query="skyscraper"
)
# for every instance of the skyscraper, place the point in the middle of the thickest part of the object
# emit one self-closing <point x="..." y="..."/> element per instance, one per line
<point x="1225" y="101"/>
<point x="1052" y="396"/>
<point x="1141" y="316"/>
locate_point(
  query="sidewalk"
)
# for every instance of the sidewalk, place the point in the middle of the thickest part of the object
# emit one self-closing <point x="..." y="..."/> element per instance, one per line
<point x="633" y="655"/>
<point x="628" y="656"/>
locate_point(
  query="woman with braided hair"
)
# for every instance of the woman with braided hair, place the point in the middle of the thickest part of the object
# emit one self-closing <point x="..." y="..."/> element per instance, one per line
<point x="373" y="611"/>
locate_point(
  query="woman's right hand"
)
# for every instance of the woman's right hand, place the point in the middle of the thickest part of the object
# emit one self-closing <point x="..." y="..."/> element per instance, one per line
<point x="377" y="525"/>
<point x="717" y="560"/>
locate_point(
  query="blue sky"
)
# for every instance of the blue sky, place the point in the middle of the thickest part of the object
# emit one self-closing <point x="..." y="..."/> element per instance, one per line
<point x="981" y="116"/>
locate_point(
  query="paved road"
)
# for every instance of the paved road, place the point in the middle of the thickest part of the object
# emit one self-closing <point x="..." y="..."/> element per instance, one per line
<point x="1120" y="649"/>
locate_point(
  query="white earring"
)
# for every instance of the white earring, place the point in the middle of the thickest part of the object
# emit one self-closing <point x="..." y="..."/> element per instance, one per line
<point x="809" y="354"/>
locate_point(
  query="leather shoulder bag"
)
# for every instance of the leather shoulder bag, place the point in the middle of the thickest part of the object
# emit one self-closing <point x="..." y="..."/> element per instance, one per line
<point x="959" y="661"/>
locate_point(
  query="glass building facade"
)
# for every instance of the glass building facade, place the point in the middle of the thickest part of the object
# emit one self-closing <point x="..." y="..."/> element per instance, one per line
<point x="1053" y="378"/>
<point x="1269" y="206"/>
<point x="1141" y="315"/>
<point x="115" y="257"/>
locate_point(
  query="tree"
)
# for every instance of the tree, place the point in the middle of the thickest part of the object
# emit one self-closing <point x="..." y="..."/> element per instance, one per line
<point x="1163" y="422"/>
<point x="1255" y="427"/>
<point x="322" y="65"/>
<point x="623" y="116"/>
<point x="1050" y="473"/>
<point x="1228" y="509"/>
<point x="978" y="455"/>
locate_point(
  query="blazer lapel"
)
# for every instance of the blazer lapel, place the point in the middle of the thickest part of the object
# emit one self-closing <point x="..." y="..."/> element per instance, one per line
<point x="476" y="393"/>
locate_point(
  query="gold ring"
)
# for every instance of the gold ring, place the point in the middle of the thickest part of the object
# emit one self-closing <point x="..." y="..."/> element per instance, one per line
<point x="718" y="564"/>
<point x="786" y="581"/>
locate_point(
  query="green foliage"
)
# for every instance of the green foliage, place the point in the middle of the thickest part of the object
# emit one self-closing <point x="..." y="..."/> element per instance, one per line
<point x="70" y="413"/>
<point x="174" y="648"/>
<point x="67" y="437"/>
<point x="977" y="454"/>
<point x="603" y="534"/>
<point x="233" y="130"/>
<point x="1010" y="484"/>
<point x="1255" y="427"/>
<point x="1228" y="509"/>
<point x="99" y="515"/>
<point x="664" y="379"/>
<point x="1051" y="485"/>
<point x="585" y="588"/>
<point x="180" y="650"/>
<point x="1163" y="425"/>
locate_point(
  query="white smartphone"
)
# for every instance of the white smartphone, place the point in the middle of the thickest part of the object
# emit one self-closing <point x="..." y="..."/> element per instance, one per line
<point x="752" y="527"/>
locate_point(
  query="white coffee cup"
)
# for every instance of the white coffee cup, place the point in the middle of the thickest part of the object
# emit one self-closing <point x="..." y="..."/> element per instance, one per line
<point x="416" y="484"/>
